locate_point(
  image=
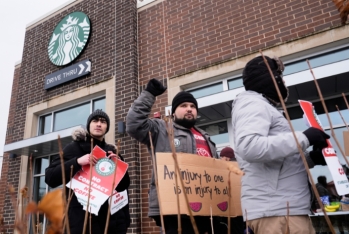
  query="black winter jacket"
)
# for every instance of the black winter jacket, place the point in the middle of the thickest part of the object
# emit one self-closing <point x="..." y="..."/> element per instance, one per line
<point x="119" y="222"/>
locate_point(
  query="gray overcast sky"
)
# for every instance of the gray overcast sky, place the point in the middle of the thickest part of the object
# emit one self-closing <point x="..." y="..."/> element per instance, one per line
<point x="15" y="15"/>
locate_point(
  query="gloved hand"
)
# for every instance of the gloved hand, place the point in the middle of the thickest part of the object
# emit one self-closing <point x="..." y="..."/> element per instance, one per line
<point x="316" y="137"/>
<point x="317" y="156"/>
<point x="155" y="87"/>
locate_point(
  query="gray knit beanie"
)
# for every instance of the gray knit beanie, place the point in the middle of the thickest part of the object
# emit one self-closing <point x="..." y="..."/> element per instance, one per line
<point x="97" y="113"/>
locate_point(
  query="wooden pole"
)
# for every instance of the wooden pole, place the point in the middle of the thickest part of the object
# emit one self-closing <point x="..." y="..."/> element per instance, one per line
<point x="70" y="195"/>
<point x="176" y="182"/>
<point x="288" y="219"/>
<point x="345" y="100"/>
<point x="212" y="229"/>
<point x="112" y="191"/>
<point x="156" y="182"/>
<point x="247" y="232"/>
<point x="63" y="178"/>
<point x="89" y="189"/>
<point x="174" y="155"/>
<point x="229" y="185"/>
<point x="346" y="125"/>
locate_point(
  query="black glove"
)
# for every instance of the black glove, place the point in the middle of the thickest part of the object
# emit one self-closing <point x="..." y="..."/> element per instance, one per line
<point x="316" y="137"/>
<point x="317" y="156"/>
<point x="155" y="87"/>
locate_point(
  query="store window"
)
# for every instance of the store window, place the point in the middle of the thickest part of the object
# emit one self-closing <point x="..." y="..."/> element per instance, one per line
<point x="207" y="90"/>
<point x="69" y="117"/>
<point x="40" y="188"/>
<point x="317" y="61"/>
<point x="218" y="132"/>
<point x="235" y="83"/>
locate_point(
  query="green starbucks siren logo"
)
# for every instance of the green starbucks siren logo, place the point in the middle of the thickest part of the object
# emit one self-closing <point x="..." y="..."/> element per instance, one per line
<point x="69" y="38"/>
<point x="105" y="167"/>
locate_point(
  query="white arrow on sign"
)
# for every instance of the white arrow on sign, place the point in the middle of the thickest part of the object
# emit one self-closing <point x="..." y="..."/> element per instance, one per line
<point x="82" y="67"/>
<point x="88" y="69"/>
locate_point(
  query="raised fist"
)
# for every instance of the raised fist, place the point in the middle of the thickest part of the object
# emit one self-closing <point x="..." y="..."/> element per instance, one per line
<point x="155" y="87"/>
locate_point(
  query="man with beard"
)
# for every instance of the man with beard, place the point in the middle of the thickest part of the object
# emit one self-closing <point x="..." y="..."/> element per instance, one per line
<point x="187" y="139"/>
<point x="267" y="151"/>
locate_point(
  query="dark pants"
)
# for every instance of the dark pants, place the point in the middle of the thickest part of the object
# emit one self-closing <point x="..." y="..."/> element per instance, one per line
<point x="203" y="224"/>
<point x="237" y="225"/>
<point x="117" y="223"/>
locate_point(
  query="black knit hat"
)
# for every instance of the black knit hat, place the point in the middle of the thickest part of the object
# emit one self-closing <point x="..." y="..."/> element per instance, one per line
<point x="256" y="77"/>
<point x="181" y="97"/>
<point x="97" y="113"/>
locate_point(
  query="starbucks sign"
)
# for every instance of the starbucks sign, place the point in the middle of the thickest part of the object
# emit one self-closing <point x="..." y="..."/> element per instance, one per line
<point x="69" y="38"/>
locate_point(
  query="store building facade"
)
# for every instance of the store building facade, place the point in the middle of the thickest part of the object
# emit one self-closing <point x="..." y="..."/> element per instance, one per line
<point x="198" y="46"/>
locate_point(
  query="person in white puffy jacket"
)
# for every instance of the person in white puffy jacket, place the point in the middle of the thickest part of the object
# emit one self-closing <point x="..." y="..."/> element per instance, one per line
<point x="266" y="150"/>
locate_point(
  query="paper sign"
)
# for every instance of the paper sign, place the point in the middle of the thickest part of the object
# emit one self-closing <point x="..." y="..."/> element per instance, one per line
<point x="102" y="180"/>
<point x="119" y="200"/>
<point x="339" y="178"/>
<point x="205" y="183"/>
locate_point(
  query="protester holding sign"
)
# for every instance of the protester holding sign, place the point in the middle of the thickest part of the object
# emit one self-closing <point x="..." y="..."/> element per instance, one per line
<point x="266" y="150"/>
<point x="77" y="154"/>
<point x="187" y="139"/>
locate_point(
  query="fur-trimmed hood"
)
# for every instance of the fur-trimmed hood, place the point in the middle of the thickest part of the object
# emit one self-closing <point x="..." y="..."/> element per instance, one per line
<point x="79" y="134"/>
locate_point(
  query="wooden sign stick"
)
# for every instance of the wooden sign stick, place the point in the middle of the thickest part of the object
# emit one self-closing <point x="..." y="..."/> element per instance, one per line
<point x="63" y="181"/>
<point x="176" y="180"/>
<point x="288" y="219"/>
<point x="112" y="190"/>
<point x="346" y="101"/>
<point x="346" y="125"/>
<point x="70" y="195"/>
<point x="156" y="182"/>
<point x="174" y="155"/>
<point x="229" y="185"/>
<point x="89" y="190"/>
<point x="247" y="232"/>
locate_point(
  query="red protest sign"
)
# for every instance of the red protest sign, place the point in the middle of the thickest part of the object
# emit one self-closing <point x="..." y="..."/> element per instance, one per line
<point x="101" y="180"/>
<point x="339" y="178"/>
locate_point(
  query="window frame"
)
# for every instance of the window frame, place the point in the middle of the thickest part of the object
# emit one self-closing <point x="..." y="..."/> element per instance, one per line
<point x="52" y="113"/>
<point x="33" y="176"/>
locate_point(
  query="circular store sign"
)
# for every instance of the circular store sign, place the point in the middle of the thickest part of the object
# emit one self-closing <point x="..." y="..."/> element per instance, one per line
<point x="69" y="38"/>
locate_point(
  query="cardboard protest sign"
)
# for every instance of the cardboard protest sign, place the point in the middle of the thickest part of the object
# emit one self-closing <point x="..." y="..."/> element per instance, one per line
<point x="119" y="200"/>
<point x="205" y="183"/>
<point x="102" y="180"/>
<point x="339" y="178"/>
